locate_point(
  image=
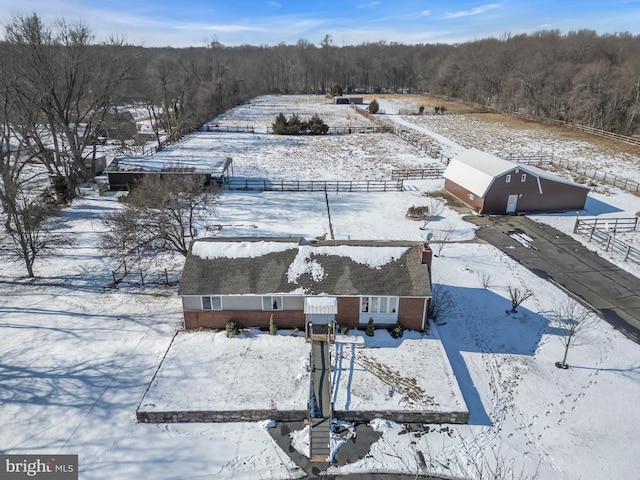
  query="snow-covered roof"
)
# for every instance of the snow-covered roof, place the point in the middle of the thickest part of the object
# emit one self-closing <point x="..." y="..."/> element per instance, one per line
<point x="202" y="165"/>
<point x="246" y="266"/>
<point x="476" y="171"/>
<point x="321" y="305"/>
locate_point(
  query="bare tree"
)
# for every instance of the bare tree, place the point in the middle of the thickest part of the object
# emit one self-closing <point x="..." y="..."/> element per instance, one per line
<point x="517" y="297"/>
<point x="443" y="238"/>
<point x="161" y="214"/>
<point x="30" y="219"/>
<point x="571" y="318"/>
<point x="431" y="210"/>
<point x="440" y="303"/>
<point x="485" y="278"/>
<point x="72" y="83"/>
<point x="27" y="204"/>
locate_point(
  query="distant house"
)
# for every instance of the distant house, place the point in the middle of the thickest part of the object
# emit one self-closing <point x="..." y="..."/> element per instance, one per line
<point x="126" y="171"/>
<point x="304" y="285"/>
<point x="118" y="123"/>
<point x="492" y="185"/>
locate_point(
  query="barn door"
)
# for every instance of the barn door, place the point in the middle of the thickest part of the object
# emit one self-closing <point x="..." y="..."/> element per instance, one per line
<point x="512" y="203"/>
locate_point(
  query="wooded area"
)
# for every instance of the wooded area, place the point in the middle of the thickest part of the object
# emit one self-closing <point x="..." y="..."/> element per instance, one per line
<point x="580" y="77"/>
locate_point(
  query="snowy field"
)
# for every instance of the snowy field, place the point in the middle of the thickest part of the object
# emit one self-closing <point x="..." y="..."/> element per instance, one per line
<point x="208" y="371"/>
<point x="76" y="358"/>
<point x="383" y="373"/>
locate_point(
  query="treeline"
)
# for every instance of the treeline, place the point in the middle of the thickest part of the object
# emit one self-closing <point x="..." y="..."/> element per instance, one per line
<point x="580" y="77"/>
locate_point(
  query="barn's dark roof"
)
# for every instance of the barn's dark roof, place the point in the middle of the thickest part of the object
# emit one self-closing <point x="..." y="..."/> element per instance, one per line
<point x="270" y="273"/>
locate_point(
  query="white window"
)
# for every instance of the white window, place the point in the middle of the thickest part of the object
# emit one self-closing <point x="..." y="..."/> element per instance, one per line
<point x="523" y="178"/>
<point x="271" y="302"/>
<point x="471" y="196"/>
<point x="364" y="304"/>
<point x="378" y="304"/>
<point x="212" y="303"/>
<point x="507" y="178"/>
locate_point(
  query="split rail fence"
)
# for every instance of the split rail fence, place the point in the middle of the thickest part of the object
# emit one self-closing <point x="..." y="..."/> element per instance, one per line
<point x="603" y="231"/>
<point x="599" y="175"/>
<point x="254" y="184"/>
<point x="268" y="129"/>
<point x="416" y="173"/>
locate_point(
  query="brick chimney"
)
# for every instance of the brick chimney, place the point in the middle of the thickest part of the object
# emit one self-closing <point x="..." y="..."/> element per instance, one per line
<point x="425" y="254"/>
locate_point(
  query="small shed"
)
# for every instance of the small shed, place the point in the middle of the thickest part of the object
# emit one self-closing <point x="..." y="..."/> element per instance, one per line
<point x="348" y="100"/>
<point x="125" y="171"/>
<point x="490" y="184"/>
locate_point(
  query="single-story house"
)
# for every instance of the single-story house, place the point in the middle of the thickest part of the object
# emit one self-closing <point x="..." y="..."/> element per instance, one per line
<point x="492" y="185"/>
<point x="127" y="170"/>
<point x="321" y="283"/>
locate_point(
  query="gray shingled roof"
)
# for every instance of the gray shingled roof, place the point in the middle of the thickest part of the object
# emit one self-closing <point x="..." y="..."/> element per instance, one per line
<point x="267" y="274"/>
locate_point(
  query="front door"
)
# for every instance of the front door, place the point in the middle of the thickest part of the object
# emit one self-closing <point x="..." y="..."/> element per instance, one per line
<point x="512" y="203"/>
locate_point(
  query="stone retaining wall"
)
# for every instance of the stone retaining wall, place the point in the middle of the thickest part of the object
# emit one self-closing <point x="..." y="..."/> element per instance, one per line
<point x="203" y="416"/>
<point x="200" y="416"/>
<point x="404" y="417"/>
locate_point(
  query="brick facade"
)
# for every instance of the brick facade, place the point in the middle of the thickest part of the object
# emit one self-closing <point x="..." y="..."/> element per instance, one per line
<point x="348" y="312"/>
<point x="410" y="312"/>
<point x="249" y="318"/>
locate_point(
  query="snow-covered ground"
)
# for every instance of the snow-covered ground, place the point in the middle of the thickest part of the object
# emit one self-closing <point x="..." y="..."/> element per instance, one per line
<point x="254" y="371"/>
<point x="76" y="358"/>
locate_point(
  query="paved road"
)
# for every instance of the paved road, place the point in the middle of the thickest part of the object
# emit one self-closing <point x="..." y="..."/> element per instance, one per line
<point x="556" y="256"/>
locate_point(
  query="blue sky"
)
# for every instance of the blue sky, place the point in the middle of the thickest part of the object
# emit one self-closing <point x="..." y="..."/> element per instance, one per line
<point x="177" y="23"/>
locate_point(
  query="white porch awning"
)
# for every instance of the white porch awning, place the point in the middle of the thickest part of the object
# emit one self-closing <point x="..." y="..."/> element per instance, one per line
<point x="320" y="305"/>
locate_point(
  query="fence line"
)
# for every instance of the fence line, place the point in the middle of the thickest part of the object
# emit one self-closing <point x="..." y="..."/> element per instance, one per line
<point x="551" y="121"/>
<point x="607" y="236"/>
<point x="406" y="111"/>
<point x="315" y="185"/>
<point x="599" y="175"/>
<point x="416" y="141"/>
<point x="614" y="224"/>
<point x="582" y="128"/>
<point x="416" y="173"/>
<point x="535" y="160"/>
<point x="269" y="129"/>
<point x="228" y="128"/>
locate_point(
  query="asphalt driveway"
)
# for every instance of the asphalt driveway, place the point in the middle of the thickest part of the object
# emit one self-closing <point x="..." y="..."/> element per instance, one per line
<point x="559" y="258"/>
